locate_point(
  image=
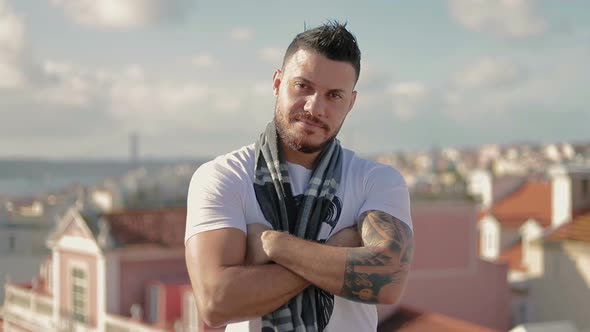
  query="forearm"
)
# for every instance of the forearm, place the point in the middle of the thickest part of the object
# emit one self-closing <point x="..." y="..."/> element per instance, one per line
<point x="239" y="293"/>
<point x="360" y="274"/>
<point x="320" y="264"/>
<point x="375" y="273"/>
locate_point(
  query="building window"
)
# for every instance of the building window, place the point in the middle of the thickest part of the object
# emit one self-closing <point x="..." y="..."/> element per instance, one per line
<point x="79" y="294"/>
<point x="489" y="240"/>
<point x="153" y="303"/>
<point x="490" y="245"/>
<point x="585" y="188"/>
<point x="11" y="243"/>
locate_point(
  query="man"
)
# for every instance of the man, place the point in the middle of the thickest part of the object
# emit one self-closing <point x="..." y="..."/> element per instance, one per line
<point x="271" y="240"/>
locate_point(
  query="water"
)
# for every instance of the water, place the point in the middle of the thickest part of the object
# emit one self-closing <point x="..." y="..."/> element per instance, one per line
<point x="27" y="177"/>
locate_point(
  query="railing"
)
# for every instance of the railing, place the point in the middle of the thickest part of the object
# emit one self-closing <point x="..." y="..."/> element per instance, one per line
<point x="121" y="324"/>
<point x="29" y="300"/>
<point x="26" y="304"/>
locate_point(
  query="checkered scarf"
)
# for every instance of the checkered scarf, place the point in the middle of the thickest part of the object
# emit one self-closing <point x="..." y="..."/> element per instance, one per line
<point x="309" y="311"/>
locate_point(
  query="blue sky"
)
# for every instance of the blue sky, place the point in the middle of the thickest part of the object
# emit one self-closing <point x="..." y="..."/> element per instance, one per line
<point x="193" y="78"/>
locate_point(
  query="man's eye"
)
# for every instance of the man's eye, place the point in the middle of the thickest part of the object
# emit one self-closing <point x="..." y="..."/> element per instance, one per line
<point x="335" y="96"/>
<point x="301" y="85"/>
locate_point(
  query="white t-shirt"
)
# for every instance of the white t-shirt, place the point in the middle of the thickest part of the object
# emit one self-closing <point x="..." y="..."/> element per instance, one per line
<point x="221" y="195"/>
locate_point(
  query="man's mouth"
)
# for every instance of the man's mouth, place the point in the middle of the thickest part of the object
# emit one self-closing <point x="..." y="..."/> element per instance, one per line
<point x="310" y="122"/>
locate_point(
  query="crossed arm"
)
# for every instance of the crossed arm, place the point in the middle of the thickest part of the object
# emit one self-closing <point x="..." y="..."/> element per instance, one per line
<point x="227" y="289"/>
<point x="373" y="273"/>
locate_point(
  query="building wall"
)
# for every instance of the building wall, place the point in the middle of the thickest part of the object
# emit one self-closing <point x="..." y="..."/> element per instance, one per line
<point x="580" y="199"/>
<point x="137" y="274"/>
<point x="445" y="235"/>
<point x="67" y="260"/>
<point x="23" y="240"/>
<point x="22" y="249"/>
<point x="508" y="237"/>
<point x="563" y="291"/>
<point x="447" y="275"/>
<point x="481" y="296"/>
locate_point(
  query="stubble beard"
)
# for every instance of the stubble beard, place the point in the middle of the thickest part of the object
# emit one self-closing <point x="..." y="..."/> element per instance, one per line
<point x="296" y="140"/>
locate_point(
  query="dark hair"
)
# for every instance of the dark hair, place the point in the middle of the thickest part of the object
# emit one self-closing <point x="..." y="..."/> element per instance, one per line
<point x="331" y="40"/>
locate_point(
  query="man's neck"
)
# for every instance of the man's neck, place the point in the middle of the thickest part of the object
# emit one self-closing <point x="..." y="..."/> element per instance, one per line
<point x="306" y="160"/>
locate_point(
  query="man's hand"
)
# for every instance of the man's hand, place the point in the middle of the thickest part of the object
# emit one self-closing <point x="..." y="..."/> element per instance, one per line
<point x="347" y="237"/>
<point x="272" y="240"/>
<point x="255" y="255"/>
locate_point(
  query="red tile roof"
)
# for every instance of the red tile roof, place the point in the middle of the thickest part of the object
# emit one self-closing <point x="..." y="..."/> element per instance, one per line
<point x="163" y="227"/>
<point x="531" y="200"/>
<point x="410" y="320"/>
<point x="576" y="230"/>
<point x="513" y="257"/>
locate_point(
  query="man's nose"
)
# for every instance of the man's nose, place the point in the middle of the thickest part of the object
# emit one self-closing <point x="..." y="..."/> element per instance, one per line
<point x="315" y="105"/>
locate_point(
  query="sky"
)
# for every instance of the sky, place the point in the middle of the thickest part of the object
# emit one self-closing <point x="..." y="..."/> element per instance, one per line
<point x="193" y="78"/>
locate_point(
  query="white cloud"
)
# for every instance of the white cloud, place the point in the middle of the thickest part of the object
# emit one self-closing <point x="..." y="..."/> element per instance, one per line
<point x="273" y="55"/>
<point x="486" y="85"/>
<point x="372" y="77"/>
<point x="408" y="97"/>
<point x="489" y="72"/>
<point x="241" y="34"/>
<point x="121" y="14"/>
<point x="135" y="94"/>
<point x="12" y="49"/>
<point x="500" y="18"/>
<point x="203" y="60"/>
<point x="70" y="85"/>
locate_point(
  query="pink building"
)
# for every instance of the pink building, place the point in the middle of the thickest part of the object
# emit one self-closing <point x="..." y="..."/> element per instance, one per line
<point x="119" y="272"/>
<point x="447" y="276"/>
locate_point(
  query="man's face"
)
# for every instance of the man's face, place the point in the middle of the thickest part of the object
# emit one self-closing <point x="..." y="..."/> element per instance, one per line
<point x="313" y="96"/>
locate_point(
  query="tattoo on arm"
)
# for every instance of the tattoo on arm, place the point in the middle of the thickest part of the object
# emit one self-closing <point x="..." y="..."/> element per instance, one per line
<point x="384" y="259"/>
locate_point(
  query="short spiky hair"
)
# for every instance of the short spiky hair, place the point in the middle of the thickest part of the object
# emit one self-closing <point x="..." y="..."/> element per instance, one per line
<point x="331" y="40"/>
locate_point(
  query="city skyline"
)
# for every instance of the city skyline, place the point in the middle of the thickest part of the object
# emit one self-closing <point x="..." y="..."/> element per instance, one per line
<point x="77" y="77"/>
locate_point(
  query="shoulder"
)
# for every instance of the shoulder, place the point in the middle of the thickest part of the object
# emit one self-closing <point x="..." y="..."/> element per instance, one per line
<point x="237" y="165"/>
<point x="371" y="172"/>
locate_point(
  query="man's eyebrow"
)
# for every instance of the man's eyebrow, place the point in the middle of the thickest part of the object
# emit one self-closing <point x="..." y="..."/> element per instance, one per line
<point x="301" y="78"/>
<point x="308" y="82"/>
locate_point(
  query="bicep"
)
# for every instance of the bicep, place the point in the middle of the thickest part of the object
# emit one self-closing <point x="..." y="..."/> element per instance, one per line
<point x="383" y="231"/>
<point x="208" y="253"/>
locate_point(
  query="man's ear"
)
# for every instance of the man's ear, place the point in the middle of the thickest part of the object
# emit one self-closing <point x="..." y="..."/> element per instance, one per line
<point x="276" y="81"/>
<point x="352" y="100"/>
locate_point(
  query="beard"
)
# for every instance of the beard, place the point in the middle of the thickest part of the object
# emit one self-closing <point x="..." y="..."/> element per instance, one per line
<point x="296" y="140"/>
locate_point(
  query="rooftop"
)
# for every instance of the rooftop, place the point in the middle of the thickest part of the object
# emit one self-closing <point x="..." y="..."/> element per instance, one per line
<point x="411" y="320"/>
<point x="163" y="227"/>
<point x="513" y="257"/>
<point x="576" y="230"/>
<point x="531" y="201"/>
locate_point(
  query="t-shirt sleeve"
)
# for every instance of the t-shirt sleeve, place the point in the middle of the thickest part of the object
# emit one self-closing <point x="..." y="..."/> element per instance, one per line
<point x="214" y="200"/>
<point x="387" y="191"/>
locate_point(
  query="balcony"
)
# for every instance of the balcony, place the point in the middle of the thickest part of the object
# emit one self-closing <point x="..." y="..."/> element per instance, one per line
<point x="25" y="304"/>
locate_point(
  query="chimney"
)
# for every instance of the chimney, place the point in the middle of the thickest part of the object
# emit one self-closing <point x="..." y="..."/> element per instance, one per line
<point x="561" y="195"/>
<point x="570" y="192"/>
<point x="480" y="185"/>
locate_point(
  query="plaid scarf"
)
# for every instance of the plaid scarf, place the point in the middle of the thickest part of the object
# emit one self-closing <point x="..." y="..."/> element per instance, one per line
<point x="309" y="311"/>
